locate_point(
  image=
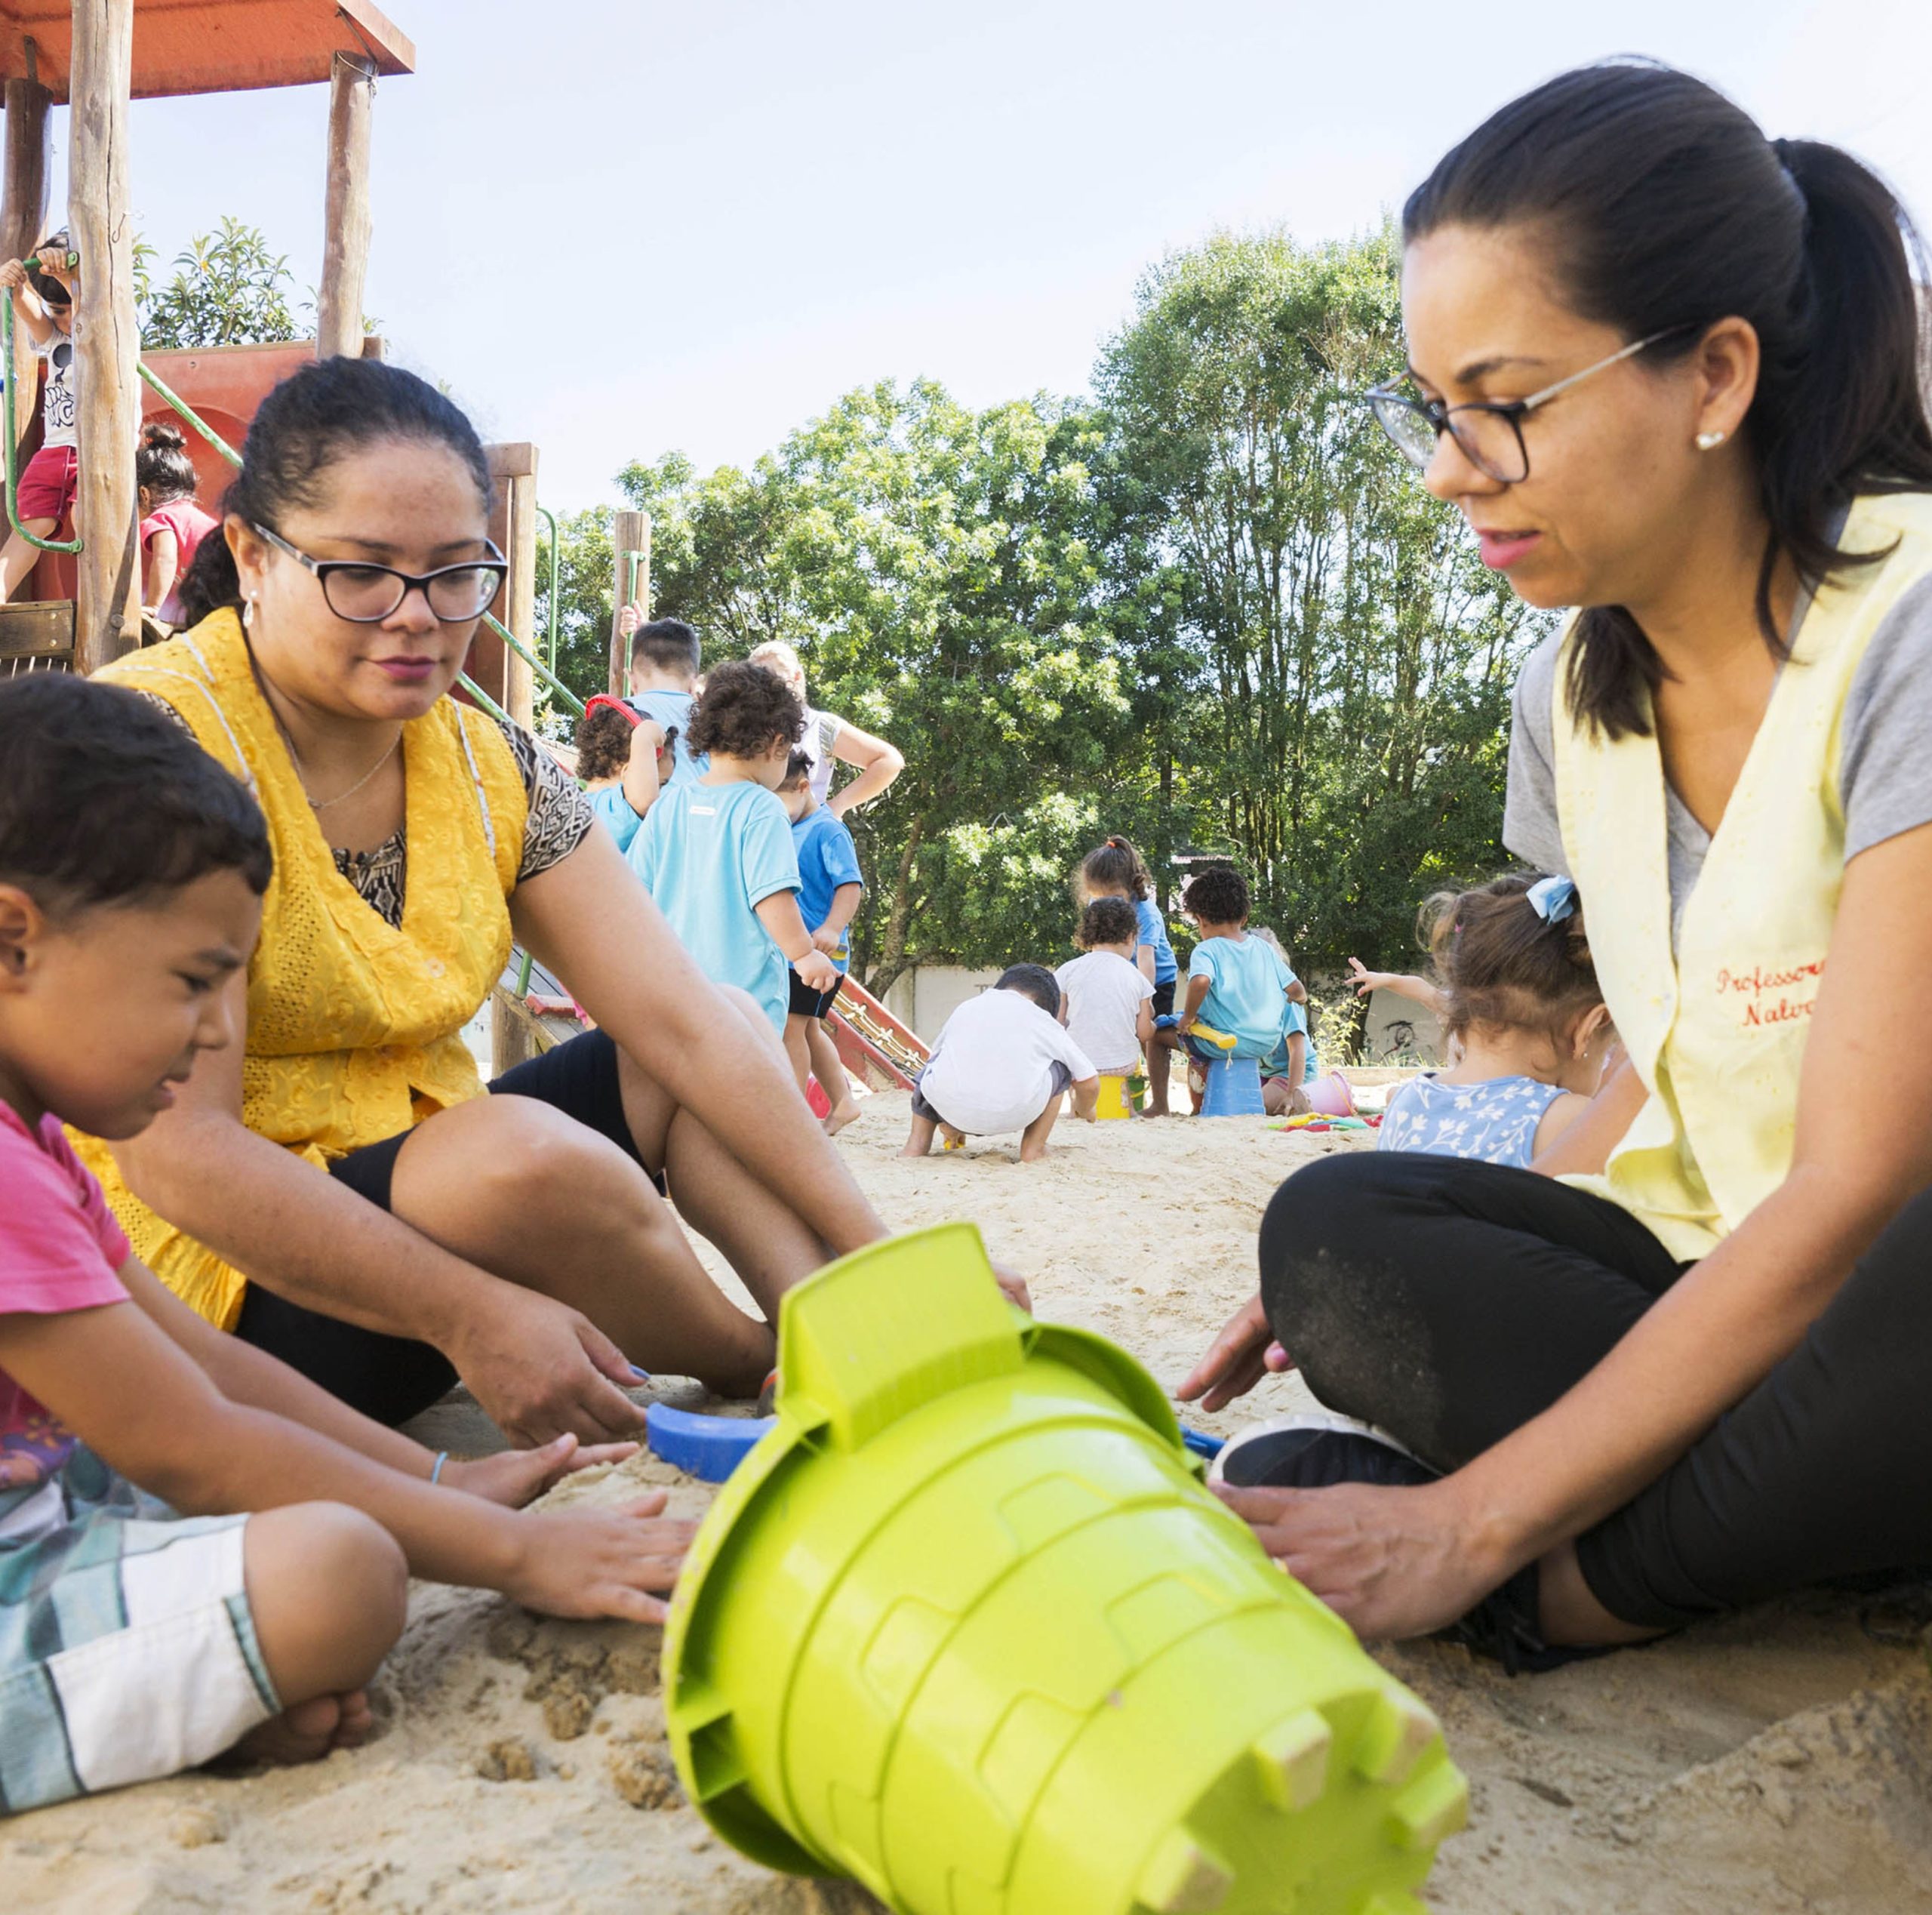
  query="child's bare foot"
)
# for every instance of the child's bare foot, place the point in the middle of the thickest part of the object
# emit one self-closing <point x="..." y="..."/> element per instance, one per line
<point x="1032" y="1153"/>
<point x="308" y="1731"/>
<point x="840" y="1116"/>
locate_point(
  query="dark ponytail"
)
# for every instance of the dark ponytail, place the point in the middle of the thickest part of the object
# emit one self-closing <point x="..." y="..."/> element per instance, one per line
<point x="1665" y="207"/>
<point x="161" y="464"/>
<point x="313" y="419"/>
<point x="1117" y="866"/>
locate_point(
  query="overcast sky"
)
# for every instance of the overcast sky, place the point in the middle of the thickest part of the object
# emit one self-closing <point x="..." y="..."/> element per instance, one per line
<point x="693" y="226"/>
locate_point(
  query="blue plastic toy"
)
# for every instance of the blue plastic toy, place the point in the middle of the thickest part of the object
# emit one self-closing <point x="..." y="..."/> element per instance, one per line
<point x="1233" y="1088"/>
<point x="1201" y="1443"/>
<point x="707" y="1447"/>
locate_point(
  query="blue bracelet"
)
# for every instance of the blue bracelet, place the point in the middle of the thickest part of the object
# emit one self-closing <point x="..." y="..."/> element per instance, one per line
<point x="436" y="1469"/>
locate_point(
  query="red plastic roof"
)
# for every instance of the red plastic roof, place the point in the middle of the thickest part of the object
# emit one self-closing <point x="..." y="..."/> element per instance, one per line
<point x="210" y="46"/>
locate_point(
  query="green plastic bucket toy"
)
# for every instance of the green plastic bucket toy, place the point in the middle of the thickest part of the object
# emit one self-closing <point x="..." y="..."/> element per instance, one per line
<point x="966" y="1627"/>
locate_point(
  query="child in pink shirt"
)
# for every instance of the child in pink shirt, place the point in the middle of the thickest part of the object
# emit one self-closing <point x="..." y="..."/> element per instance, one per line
<point x="172" y="526"/>
<point x="199" y="1549"/>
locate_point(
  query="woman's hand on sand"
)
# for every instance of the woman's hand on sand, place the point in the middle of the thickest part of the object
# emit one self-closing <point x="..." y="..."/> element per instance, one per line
<point x="1237" y="1359"/>
<point x="514" y="1477"/>
<point x="1391" y="1562"/>
<point x="541" y="1369"/>
<point x="619" y="1561"/>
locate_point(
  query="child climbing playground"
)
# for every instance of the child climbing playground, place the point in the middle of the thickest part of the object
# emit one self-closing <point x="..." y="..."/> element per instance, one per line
<point x="172" y="521"/>
<point x="45" y="301"/>
<point x="664" y="657"/>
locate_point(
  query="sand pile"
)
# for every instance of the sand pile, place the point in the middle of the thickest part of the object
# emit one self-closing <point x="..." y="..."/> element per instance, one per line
<point x="1781" y="1761"/>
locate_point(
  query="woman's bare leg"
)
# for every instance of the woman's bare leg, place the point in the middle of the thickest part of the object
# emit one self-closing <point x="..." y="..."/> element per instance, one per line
<point x="531" y="1195"/>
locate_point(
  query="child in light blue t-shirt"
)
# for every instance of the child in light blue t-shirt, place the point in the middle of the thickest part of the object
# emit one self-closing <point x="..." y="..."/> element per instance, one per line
<point x="716" y="852"/>
<point x="1237" y="984"/>
<point x="665" y="658"/>
<point x="607" y="735"/>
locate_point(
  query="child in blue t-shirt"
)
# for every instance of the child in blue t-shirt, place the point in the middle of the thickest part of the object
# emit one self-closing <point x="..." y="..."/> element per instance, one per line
<point x="716" y="851"/>
<point x="829" y="887"/>
<point x="1293" y="1063"/>
<point x="1115" y="869"/>
<point x="1237" y="984"/>
<point x="664" y="674"/>
<point x="607" y="735"/>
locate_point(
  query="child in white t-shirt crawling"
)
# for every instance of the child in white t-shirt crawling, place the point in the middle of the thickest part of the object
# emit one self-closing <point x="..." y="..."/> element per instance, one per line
<point x="1002" y="1062"/>
<point x="1110" y="999"/>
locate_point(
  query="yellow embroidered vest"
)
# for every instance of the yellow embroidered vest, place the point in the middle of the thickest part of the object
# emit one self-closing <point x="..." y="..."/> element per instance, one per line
<point x="353" y="1028"/>
<point x="1717" y="1031"/>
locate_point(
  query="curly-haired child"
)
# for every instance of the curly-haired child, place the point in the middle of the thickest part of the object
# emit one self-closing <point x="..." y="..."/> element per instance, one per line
<point x="613" y="761"/>
<point x="716" y="851"/>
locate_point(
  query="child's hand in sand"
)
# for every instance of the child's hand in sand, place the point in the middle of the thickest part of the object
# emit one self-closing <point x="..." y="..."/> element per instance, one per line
<point x="1015" y="1287"/>
<point x="619" y="1561"/>
<point x="517" y="1476"/>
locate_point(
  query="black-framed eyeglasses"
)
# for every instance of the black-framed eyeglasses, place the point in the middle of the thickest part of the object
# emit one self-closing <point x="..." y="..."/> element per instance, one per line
<point x="1491" y="434"/>
<point x="366" y="594"/>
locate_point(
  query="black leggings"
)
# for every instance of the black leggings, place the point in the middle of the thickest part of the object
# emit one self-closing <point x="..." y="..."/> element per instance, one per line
<point x="1450" y="1302"/>
<point x="393" y="1378"/>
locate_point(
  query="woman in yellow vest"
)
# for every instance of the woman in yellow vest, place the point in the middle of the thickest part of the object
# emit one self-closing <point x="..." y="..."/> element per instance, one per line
<point x="1669" y="372"/>
<point x="344" y="1194"/>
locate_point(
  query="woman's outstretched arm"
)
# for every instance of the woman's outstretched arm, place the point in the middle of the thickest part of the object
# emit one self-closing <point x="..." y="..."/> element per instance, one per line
<point x="589" y="918"/>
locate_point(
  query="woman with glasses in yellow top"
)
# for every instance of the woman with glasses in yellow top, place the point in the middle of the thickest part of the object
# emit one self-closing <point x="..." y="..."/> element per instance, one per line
<point x="1669" y="371"/>
<point x="341" y="1191"/>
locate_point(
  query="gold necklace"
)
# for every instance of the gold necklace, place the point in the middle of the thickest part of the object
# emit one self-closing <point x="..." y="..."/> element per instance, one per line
<point x="315" y="805"/>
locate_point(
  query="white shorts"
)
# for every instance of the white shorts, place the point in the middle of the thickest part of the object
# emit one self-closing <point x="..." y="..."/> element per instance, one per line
<point x="127" y="1649"/>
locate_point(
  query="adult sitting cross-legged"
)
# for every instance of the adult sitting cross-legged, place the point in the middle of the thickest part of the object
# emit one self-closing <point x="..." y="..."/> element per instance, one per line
<point x="341" y="1191"/>
<point x="1669" y="371"/>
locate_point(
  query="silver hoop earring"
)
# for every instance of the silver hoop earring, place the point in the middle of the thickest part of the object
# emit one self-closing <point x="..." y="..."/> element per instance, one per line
<point x="1709" y="442"/>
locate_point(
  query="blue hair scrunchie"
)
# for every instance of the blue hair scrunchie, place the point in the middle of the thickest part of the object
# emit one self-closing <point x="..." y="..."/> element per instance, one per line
<point x="1552" y="899"/>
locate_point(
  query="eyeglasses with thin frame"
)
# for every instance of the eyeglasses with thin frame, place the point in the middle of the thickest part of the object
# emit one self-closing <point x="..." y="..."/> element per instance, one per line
<point x="366" y="594"/>
<point x="1491" y="434"/>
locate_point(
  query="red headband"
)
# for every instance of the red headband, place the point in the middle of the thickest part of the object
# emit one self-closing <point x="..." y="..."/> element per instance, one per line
<point x="615" y="704"/>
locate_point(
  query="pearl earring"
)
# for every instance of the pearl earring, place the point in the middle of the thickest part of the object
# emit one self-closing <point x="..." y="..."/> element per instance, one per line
<point x="1709" y="442"/>
<point x="248" y="614"/>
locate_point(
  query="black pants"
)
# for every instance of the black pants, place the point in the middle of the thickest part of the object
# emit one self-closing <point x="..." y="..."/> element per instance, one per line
<point x="1450" y="1302"/>
<point x="393" y="1378"/>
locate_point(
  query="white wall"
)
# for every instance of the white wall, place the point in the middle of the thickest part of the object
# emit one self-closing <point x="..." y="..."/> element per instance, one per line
<point x="925" y="998"/>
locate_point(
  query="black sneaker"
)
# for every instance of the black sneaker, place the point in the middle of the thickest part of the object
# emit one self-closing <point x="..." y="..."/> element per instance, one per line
<point x="1316" y="1449"/>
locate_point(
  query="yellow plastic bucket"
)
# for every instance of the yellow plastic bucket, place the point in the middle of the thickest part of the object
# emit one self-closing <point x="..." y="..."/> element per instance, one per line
<point x="966" y="1627"/>
<point x="1114" y="1101"/>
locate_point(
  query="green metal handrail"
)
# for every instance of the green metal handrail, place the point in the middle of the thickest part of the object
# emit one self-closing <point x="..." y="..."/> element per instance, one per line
<point x="549" y="518"/>
<point x="636" y="560"/>
<point x="188" y="413"/>
<point x="13" y="453"/>
<point x="535" y="664"/>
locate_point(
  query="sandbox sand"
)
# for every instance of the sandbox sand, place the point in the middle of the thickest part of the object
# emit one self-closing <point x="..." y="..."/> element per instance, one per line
<point x="1779" y="1761"/>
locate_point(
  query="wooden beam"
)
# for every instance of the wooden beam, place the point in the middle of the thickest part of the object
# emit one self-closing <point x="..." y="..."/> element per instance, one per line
<point x="630" y="531"/>
<point x="23" y="213"/>
<point x="107" y="611"/>
<point x="520" y="593"/>
<point x="345" y="217"/>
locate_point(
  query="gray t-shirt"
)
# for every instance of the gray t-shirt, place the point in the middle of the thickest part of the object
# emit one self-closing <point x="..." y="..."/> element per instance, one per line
<point x="1884" y="764"/>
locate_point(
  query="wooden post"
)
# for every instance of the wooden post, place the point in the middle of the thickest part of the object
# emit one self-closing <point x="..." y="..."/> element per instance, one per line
<point x="346" y="218"/>
<point x="630" y="531"/>
<point x="520" y="593"/>
<point x="23" y="213"/>
<point x="107" y="346"/>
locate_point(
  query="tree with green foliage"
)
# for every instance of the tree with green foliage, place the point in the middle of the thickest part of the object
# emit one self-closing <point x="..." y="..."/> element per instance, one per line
<point x="228" y="289"/>
<point x="1345" y="734"/>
